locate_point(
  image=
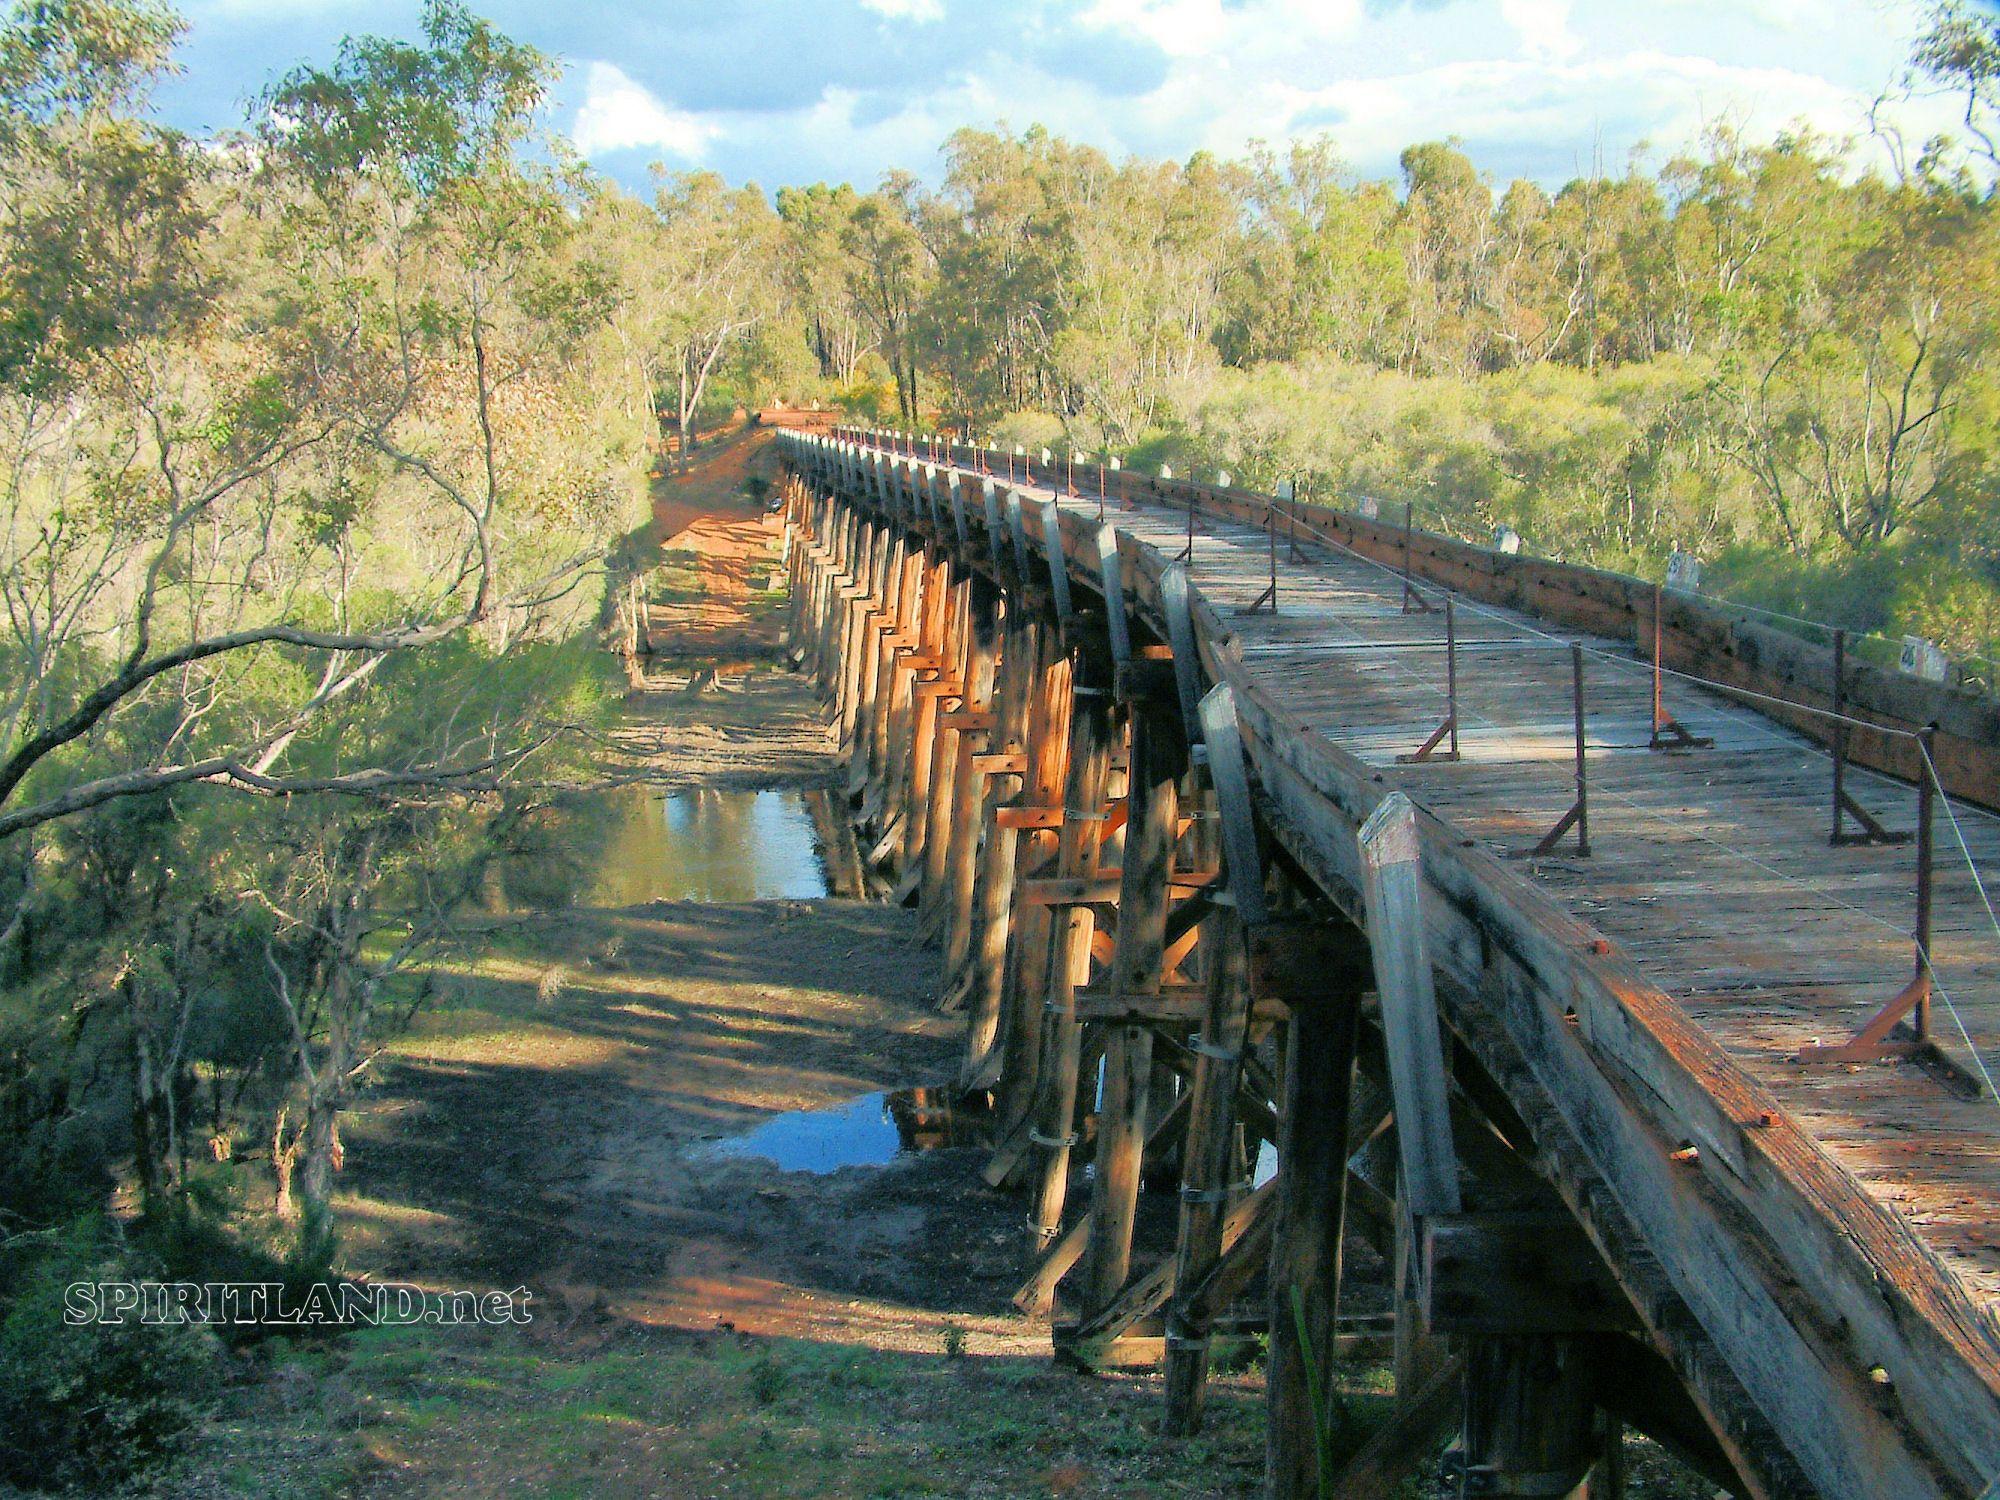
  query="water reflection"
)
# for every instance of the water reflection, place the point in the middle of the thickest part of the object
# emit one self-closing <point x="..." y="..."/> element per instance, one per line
<point x="864" y="1132"/>
<point x="633" y="845"/>
<point x="711" y="846"/>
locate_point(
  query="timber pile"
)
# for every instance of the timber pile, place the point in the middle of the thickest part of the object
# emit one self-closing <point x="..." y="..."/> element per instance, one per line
<point x="1181" y="920"/>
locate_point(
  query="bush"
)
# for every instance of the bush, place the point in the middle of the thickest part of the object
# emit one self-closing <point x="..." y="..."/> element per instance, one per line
<point x="94" y="1405"/>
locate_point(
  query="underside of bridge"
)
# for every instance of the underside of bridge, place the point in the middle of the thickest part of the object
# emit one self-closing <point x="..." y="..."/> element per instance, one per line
<point x="1182" y="918"/>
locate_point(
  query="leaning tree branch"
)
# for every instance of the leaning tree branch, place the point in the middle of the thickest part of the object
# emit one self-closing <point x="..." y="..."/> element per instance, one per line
<point x="136" y="674"/>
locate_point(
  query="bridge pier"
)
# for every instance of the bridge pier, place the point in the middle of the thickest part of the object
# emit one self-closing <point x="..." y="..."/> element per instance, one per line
<point x="972" y="729"/>
<point x="1002" y="768"/>
<point x="1074" y="923"/>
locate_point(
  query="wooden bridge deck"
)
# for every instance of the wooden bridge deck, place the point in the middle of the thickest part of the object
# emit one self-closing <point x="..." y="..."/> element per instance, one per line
<point x="1709" y="868"/>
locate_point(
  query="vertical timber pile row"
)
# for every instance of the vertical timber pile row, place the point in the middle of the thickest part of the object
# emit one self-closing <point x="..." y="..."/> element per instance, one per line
<point x="1148" y="992"/>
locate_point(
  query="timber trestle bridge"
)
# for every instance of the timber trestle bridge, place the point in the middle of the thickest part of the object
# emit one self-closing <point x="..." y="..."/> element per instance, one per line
<point x="1614" y="964"/>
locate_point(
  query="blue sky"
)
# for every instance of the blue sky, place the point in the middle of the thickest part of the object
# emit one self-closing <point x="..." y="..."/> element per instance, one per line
<point x="784" y="91"/>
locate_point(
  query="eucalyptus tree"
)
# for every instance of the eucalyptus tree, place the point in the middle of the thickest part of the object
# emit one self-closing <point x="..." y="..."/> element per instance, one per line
<point x="815" y="220"/>
<point x="299" y="421"/>
<point x="305" y="437"/>
<point x="719" y="262"/>
<point x="890" y="271"/>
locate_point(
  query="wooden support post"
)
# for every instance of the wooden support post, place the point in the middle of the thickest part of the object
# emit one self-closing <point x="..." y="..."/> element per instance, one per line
<point x="934" y="635"/>
<point x="860" y="597"/>
<point x="889" y="622"/>
<point x="1206" y="1163"/>
<point x="1091" y="729"/>
<point x="838" y="520"/>
<point x="1530" y="1423"/>
<point x="1020" y="663"/>
<point x="907" y="660"/>
<point x="939" y="783"/>
<point x="846" y="523"/>
<point x="874" y="624"/>
<point x="1306" y="1243"/>
<point x="1151" y="829"/>
<point x="1206" y="1183"/>
<point x="967" y="794"/>
<point x="1029" y="956"/>
<point x="1121" y="1140"/>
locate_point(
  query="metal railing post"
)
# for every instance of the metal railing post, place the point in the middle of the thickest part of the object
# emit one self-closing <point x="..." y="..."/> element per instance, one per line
<point x="1920" y="1017"/>
<point x="1451" y="671"/>
<point x="1844" y="806"/>
<point x="1582" y="762"/>
<point x="1839" y="731"/>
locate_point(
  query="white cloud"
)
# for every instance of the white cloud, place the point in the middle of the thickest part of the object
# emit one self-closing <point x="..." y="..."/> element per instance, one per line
<point x="1214" y="28"/>
<point x="619" y="115"/>
<point x="907" y="10"/>
<point x="1543" y="26"/>
<point x="1544" y="88"/>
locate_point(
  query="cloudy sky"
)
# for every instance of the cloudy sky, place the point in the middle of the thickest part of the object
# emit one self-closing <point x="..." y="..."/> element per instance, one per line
<point x="798" y="90"/>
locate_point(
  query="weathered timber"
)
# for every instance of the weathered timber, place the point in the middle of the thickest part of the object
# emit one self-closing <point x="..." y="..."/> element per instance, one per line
<point x="1021" y="661"/>
<point x="1306" y="1245"/>
<point x="1028" y="940"/>
<point x="1091" y="731"/>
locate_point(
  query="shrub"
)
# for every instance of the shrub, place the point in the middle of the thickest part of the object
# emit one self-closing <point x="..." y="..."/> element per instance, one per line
<point x="769" y="1380"/>
<point x="92" y="1405"/>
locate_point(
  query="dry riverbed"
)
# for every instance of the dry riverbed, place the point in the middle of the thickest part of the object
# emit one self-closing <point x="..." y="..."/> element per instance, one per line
<point x="705" y="1322"/>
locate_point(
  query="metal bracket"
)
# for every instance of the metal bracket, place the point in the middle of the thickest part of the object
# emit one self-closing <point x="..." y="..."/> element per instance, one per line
<point x="1215" y="1194"/>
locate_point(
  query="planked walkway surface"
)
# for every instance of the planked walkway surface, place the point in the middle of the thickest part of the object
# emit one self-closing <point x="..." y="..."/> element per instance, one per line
<point x="1710" y="868"/>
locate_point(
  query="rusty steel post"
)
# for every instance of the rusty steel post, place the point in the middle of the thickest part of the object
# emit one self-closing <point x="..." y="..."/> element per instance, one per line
<point x="1839" y="733"/>
<point x="1920" y="1017"/>
<point x="1451" y="672"/>
<point x="1582" y="772"/>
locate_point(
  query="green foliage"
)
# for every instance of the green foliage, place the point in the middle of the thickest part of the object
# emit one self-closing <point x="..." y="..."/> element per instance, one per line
<point x="432" y="119"/>
<point x="91" y="1405"/>
<point x="770" y="1378"/>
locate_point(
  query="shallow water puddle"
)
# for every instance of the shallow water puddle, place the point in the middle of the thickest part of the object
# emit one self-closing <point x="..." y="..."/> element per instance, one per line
<point x="866" y="1132"/>
<point x="709" y="846"/>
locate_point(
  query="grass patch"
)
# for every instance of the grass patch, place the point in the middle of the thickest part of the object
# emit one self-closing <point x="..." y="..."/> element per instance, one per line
<point x="467" y="1410"/>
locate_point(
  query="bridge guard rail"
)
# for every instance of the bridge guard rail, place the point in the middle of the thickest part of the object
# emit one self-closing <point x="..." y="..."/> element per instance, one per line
<point x="1703" y="637"/>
